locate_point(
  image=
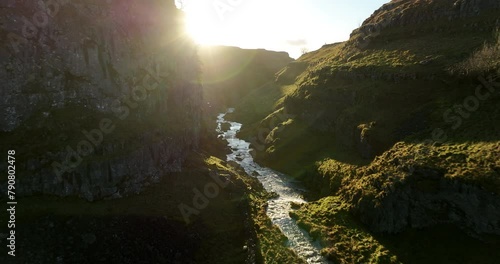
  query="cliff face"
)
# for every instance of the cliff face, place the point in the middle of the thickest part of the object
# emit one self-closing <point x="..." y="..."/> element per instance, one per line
<point x="410" y="12"/>
<point x="100" y="97"/>
<point x="419" y="186"/>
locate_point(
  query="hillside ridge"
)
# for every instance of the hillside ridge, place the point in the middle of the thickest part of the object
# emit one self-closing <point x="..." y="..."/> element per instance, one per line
<point x="398" y="125"/>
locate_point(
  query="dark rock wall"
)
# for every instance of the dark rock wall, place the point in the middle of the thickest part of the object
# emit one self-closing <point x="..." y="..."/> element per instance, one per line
<point x="403" y="13"/>
<point x="426" y="198"/>
<point x="68" y="65"/>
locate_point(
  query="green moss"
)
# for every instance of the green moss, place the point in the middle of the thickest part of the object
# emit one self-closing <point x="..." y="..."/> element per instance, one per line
<point x="271" y="242"/>
<point x="334" y="173"/>
<point x="473" y="163"/>
<point x="346" y="240"/>
<point x="343" y="238"/>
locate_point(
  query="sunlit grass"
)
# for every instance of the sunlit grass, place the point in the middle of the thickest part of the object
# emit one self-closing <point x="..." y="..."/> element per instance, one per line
<point x="344" y="239"/>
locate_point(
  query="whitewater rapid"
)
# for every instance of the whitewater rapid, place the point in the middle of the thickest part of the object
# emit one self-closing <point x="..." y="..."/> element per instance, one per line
<point x="274" y="182"/>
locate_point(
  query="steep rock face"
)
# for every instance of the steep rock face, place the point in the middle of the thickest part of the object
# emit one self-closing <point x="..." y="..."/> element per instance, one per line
<point x="99" y="97"/>
<point x="409" y="12"/>
<point x="421" y="186"/>
<point x="428" y="199"/>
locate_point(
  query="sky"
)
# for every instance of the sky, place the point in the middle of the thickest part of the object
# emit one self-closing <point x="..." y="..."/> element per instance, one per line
<point x="282" y="25"/>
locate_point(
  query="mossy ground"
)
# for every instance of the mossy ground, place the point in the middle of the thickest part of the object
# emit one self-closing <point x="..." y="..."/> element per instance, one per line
<point x="233" y="228"/>
<point x="271" y="242"/>
<point x="346" y="240"/>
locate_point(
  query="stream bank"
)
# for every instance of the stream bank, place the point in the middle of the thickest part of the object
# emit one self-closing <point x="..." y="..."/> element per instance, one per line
<point x="285" y="191"/>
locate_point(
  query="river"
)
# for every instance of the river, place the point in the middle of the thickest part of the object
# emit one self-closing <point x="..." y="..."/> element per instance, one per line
<point x="274" y="182"/>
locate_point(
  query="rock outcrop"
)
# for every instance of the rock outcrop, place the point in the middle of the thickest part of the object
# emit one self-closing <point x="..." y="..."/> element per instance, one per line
<point x="427" y="199"/>
<point x="422" y="186"/>
<point x="100" y="97"/>
<point x="407" y="13"/>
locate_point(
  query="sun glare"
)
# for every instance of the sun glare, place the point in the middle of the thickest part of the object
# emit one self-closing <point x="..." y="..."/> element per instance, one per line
<point x="202" y="24"/>
<point x="281" y="25"/>
<point x="238" y="26"/>
<point x="207" y="29"/>
<point x="250" y="25"/>
<point x="200" y="30"/>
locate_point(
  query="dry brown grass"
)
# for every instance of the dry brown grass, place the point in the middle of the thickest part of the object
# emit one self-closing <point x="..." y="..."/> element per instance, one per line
<point x="484" y="60"/>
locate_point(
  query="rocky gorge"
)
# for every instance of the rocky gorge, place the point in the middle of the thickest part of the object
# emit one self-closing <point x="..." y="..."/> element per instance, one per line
<point x="380" y="149"/>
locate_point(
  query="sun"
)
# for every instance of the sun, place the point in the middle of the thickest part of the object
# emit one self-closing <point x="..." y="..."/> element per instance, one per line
<point x="202" y="25"/>
<point x="237" y="26"/>
<point x="206" y="27"/>
<point x="201" y="31"/>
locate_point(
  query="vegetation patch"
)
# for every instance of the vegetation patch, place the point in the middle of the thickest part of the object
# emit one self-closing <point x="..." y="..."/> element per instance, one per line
<point x="484" y="60"/>
<point x="343" y="238"/>
<point x="477" y="164"/>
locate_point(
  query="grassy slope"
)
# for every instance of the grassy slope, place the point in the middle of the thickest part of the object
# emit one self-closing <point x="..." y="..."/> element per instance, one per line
<point x="401" y="82"/>
<point x="349" y="86"/>
<point x="395" y="89"/>
<point x="229" y="73"/>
